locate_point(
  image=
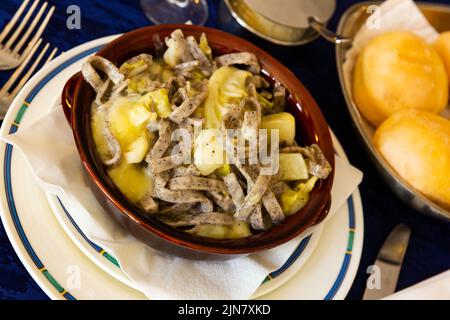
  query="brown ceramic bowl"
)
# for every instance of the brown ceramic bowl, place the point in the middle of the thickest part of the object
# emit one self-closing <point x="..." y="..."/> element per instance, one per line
<point x="311" y="128"/>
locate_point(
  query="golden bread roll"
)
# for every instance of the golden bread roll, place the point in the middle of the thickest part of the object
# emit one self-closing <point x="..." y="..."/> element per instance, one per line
<point x="442" y="46"/>
<point x="417" y="145"/>
<point x="395" y="71"/>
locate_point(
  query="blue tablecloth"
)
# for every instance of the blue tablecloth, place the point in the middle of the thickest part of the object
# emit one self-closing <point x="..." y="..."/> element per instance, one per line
<point x="314" y="64"/>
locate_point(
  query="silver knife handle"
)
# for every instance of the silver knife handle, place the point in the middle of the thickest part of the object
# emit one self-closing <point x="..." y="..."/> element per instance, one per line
<point x="383" y="280"/>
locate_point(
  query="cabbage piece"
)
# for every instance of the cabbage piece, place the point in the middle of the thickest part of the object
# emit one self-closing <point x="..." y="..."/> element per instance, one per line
<point x="147" y="81"/>
<point x="136" y="65"/>
<point x="128" y="67"/>
<point x="200" y="112"/>
<point x="204" y="46"/>
<point x="160" y="100"/>
<point x="155" y="69"/>
<point x="294" y="199"/>
<point x="142" y="83"/>
<point x="264" y="102"/>
<point x="226" y="86"/>
<point x="197" y="76"/>
<point x="166" y="75"/>
<point x="224" y="170"/>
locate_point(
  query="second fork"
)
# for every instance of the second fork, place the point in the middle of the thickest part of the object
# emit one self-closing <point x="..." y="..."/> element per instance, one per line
<point x="14" y="46"/>
<point x="15" y="83"/>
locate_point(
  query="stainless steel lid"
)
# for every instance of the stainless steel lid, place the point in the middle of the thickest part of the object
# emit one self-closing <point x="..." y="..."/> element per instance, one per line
<point x="285" y="22"/>
<point x="294" y="13"/>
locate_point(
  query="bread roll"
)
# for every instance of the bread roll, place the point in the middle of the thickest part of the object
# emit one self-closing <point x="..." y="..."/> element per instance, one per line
<point x="442" y="46"/>
<point x="417" y="145"/>
<point x="395" y="71"/>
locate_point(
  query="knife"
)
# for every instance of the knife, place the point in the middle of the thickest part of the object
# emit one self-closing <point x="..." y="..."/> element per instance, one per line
<point x="388" y="264"/>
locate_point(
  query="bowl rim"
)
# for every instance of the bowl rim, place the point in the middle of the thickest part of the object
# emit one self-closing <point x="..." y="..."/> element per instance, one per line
<point x="300" y="94"/>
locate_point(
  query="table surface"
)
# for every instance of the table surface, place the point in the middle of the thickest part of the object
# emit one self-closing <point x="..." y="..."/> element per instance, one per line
<point x="314" y="64"/>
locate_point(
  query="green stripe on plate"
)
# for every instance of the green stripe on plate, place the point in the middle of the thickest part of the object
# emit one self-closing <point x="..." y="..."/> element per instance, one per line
<point x="53" y="281"/>
<point x="21" y="112"/>
<point x="111" y="258"/>
<point x="351" y="235"/>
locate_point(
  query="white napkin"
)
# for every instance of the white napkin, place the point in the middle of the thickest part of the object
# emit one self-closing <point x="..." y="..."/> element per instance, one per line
<point x="391" y="15"/>
<point x="56" y="165"/>
<point x="435" y="288"/>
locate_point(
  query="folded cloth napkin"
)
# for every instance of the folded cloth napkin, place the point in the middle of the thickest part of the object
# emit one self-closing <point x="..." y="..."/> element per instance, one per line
<point x="49" y="147"/>
<point x="435" y="288"/>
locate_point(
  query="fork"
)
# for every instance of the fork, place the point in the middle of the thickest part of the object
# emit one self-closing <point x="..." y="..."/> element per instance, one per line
<point x="10" y="47"/>
<point x="9" y="91"/>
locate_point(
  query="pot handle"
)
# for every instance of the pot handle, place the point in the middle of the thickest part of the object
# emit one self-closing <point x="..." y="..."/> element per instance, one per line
<point x="67" y="96"/>
<point x="326" y="33"/>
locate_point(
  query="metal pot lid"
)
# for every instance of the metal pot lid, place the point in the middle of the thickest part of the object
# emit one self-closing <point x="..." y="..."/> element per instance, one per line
<point x="294" y="13"/>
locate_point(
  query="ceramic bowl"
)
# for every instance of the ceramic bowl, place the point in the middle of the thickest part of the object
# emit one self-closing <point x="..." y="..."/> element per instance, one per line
<point x="311" y="128"/>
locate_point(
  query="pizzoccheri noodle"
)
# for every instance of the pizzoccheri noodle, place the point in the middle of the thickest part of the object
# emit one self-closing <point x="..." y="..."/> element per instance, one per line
<point x="200" y="142"/>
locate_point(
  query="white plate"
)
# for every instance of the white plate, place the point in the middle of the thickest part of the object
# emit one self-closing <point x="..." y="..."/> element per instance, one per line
<point x="109" y="264"/>
<point x="53" y="259"/>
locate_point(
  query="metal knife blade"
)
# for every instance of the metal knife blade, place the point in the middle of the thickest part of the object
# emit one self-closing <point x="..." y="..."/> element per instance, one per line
<point x="388" y="264"/>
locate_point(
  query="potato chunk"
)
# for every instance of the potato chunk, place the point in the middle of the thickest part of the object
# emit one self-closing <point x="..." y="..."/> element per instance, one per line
<point x="209" y="152"/>
<point x="293" y="167"/>
<point x="284" y="122"/>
